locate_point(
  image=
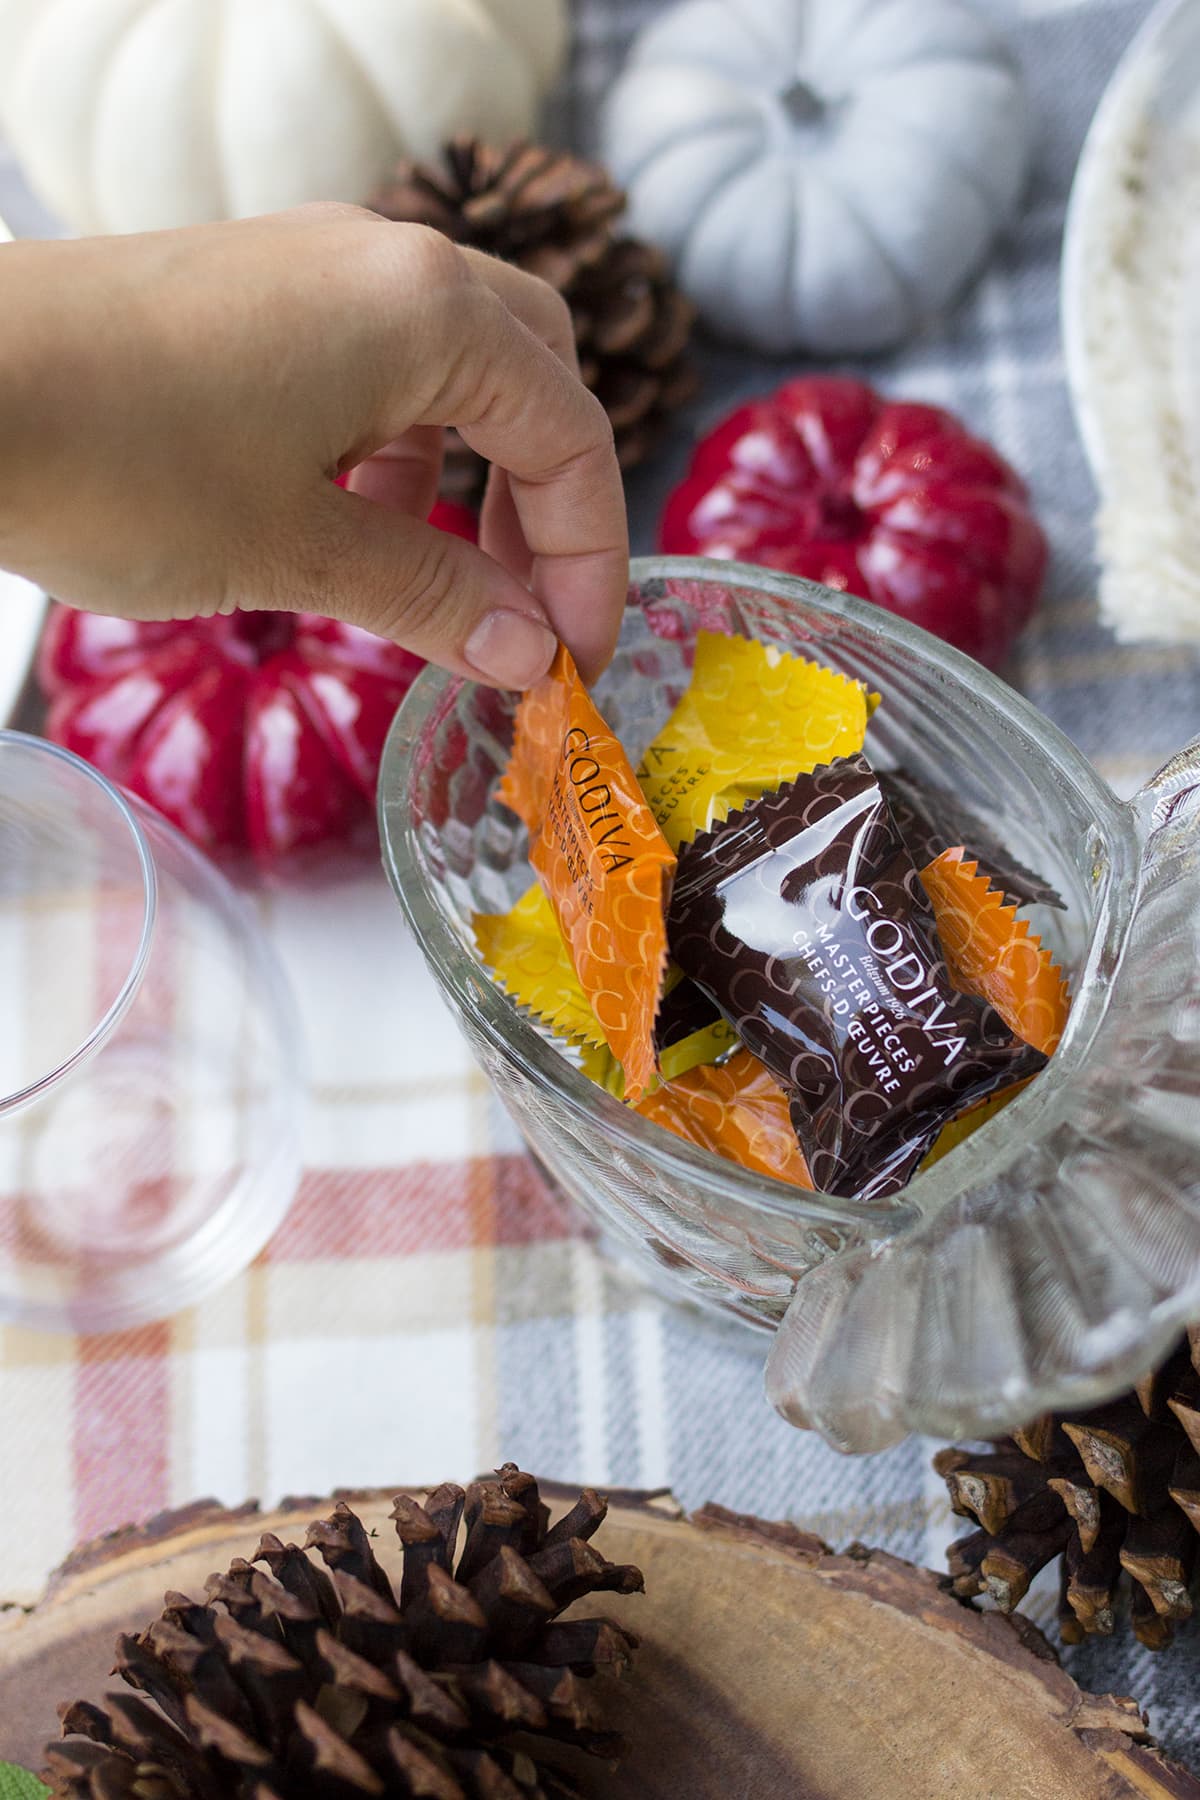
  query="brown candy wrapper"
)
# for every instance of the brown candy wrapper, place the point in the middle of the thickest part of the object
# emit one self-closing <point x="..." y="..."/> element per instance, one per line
<point x="740" y="1112"/>
<point x="803" y="917"/>
<point x="932" y="821"/>
<point x="601" y="859"/>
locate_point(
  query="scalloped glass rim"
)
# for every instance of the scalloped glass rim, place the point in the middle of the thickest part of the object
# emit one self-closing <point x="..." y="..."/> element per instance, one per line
<point x="498" y="1019"/>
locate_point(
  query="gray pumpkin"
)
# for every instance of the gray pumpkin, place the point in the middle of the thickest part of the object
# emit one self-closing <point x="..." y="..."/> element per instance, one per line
<point x="825" y="173"/>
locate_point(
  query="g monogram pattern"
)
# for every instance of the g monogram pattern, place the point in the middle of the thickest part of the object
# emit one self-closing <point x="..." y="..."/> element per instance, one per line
<point x="804" y="918"/>
<point x="931" y="821"/>
<point x="601" y="859"/>
<point x="752" y="717"/>
<point x="990" y="951"/>
<point x="737" y="1109"/>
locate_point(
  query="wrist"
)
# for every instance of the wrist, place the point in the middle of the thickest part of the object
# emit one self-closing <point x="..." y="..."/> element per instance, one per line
<point x="47" y="388"/>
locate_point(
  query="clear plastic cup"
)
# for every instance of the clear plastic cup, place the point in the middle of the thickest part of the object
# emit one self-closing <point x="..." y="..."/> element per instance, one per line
<point x="149" y="1074"/>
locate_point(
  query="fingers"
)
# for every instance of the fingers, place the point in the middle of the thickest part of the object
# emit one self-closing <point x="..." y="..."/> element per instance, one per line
<point x="434" y="593"/>
<point x="538" y="306"/>
<point x="546" y="314"/>
<point x="404" y="475"/>
<point x="500" y="531"/>
<point x="517" y="404"/>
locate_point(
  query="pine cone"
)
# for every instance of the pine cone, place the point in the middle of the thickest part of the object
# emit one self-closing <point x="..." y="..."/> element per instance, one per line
<point x="1111" y="1491"/>
<point x="553" y="215"/>
<point x="295" y="1683"/>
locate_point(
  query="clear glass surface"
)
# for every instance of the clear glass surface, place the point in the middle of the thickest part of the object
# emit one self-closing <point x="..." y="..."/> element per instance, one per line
<point x="1017" y="1273"/>
<point x="149" y="1087"/>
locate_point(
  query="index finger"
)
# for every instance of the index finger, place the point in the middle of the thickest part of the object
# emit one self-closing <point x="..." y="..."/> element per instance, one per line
<point x="517" y="404"/>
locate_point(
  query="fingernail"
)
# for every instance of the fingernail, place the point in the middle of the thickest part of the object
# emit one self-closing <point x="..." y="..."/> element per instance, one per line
<point x="511" y="648"/>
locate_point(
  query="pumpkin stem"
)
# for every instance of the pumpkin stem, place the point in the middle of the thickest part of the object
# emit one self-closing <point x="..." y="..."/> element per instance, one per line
<point x="802" y="104"/>
<point x="263" y="635"/>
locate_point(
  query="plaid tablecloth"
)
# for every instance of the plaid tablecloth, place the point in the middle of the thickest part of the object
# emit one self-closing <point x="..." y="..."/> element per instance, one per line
<point x="426" y="1311"/>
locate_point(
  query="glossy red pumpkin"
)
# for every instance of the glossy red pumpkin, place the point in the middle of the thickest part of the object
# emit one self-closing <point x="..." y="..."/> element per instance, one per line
<point x="886" y="499"/>
<point x="257" y="733"/>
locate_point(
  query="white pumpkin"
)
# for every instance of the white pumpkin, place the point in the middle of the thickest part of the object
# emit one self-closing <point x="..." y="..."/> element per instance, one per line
<point x="134" y="114"/>
<point x="824" y="173"/>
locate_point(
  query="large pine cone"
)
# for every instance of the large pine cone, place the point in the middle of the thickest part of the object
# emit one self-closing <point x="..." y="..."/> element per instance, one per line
<point x="553" y="214"/>
<point x="295" y="1683"/>
<point x="1114" y="1492"/>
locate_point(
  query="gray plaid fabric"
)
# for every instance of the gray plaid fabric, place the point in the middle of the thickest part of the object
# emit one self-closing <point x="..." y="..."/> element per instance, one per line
<point x="996" y="360"/>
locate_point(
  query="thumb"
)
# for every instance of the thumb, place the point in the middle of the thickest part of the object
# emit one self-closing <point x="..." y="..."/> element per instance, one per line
<point x="431" y="592"/>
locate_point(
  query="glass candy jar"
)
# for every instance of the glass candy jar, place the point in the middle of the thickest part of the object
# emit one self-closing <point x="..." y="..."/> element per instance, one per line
<point x="1048" y="1261"/>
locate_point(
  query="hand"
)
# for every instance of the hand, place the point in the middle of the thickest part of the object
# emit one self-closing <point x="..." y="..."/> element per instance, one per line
<point x="174" y="409"/>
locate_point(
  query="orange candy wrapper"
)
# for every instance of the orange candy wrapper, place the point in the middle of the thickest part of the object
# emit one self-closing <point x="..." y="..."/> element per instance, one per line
<point x="524" y="949"/>
<point x="752" y="718"/>
<point x="990" y="951"/>
<point x="603" y="862"/>
<point x="737" y="1109"/>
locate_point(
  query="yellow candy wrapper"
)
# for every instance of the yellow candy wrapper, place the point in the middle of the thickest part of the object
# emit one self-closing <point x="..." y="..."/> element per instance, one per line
<point x="524" y="949"/>
<point x="751" y="719"/>
<point x="709" y="1045"/>
<point x="602" y="1067"/>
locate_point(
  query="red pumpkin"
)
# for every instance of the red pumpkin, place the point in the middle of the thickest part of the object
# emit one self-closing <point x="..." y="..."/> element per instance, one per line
<point x="886" y="499"/>
<point x="260" y="732"/>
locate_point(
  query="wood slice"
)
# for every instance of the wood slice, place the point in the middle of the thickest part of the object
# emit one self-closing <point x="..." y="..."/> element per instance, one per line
<point x="770" y="1668"/>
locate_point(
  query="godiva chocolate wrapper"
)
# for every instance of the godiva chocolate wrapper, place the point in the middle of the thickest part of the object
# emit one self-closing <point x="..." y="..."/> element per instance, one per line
<point x="932" y="821"/>
<point x="752" y="718"/>
<point x="803" y="916"/>
<point x="601" y="859"/>
<point x="740" y="1111"/>
<point x="526" y="952"/>
<point x="991" y="951"/>
<point x="736" y="1108"/>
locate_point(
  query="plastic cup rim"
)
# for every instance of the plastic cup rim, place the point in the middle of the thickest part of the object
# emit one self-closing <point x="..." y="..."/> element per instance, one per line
<point x="105" y="1026"/>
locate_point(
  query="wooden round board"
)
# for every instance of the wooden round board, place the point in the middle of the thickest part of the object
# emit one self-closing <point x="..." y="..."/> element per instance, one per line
<point x="769" y="1667"/>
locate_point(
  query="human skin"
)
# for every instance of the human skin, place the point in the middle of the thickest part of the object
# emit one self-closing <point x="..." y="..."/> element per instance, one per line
<point x="175" y="408"/>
